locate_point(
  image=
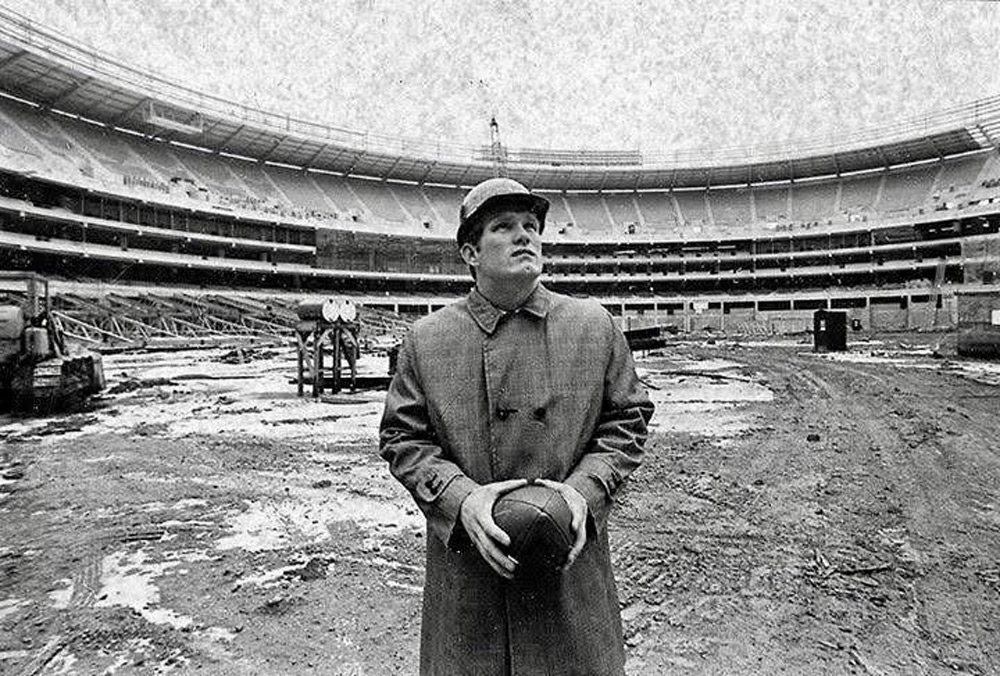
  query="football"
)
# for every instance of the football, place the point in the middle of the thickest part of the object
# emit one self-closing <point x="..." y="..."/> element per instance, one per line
<point x="539" y="523"/>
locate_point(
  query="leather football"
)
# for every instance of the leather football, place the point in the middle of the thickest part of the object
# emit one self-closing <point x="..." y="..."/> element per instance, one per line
<point x="539" y="524"/>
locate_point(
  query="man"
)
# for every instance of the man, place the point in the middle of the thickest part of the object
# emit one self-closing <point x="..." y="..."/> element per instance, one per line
<point x="514" y="383"/>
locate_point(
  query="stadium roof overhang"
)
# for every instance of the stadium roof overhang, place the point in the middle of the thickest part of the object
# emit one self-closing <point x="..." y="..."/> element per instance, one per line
<point x="48" y="70"/>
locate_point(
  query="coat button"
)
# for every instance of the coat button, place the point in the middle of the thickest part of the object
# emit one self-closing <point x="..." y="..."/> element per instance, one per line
<point x="503" y="413"/>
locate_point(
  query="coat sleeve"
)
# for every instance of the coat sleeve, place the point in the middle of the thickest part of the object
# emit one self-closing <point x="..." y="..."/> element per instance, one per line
<point x="408" y="442"/>
<point x="617" y="445"/>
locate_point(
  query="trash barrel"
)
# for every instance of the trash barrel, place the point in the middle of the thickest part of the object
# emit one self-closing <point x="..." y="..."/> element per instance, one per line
<point x="829" y="331"/>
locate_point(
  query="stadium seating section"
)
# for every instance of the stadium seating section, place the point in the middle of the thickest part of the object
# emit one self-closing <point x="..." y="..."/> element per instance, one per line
<point x="413" y="201"/>
<point x="693" y="208"/>
<point x="812" y="202"/>
<point x="340" y="194"/>
<point x="659" y="214"/>
<point x="77" y="196"/>
<point x="959" y="176"/>
<point x="588" y="214"/>
<point x="15" y="142"/>
<point x="622" y="209"/>
<point x="446" y="203"/>
<point x="107" y="148"/>
<point x="730" y="207"/>
<point x="857" y="195"/>
<point x="771" y="205"/>
<point x="379" y="201"/>
<point x="302" y="191"/>
<point x="79" y="151"/>
<point x="558" y="213"/>
<point x="907" y="190"/>
<point x="165" y="163"/>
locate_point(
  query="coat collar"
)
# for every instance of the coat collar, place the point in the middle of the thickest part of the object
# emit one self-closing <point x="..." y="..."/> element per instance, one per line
<point x="487" y="315"/>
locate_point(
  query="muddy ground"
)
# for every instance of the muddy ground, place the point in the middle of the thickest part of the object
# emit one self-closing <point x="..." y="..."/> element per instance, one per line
<point x="797" y="514"/>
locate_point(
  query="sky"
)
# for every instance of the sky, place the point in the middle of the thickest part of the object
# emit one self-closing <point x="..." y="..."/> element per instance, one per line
<point x="658" y="76"/>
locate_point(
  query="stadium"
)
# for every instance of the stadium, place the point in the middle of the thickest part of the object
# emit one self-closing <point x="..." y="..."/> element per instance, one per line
<point x="105" y="182"/>
<point x="165" y="216"/>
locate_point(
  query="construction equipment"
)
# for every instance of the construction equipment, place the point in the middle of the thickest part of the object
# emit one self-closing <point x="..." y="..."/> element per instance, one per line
<point x="37" y="372"/>
<point x="330" y="325"/>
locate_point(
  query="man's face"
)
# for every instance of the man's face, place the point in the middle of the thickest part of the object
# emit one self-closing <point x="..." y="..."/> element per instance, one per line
<point x="510" y="247"/>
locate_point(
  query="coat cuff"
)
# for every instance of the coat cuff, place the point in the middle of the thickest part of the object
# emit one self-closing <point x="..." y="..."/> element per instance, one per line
<point x="597" y="482"/>
<point x="446" y="523"/>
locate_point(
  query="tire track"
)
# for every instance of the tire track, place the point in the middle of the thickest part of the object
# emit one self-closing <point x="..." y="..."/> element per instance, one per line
<point x="867" y="547"/>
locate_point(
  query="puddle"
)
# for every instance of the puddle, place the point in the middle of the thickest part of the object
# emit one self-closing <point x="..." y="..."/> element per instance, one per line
<point x="705" y="397"/>
<point x="189" y="556"/>
<point x="103" y="458"/>
<point x="412" y="588"/>
<point x="190" y="523"/>
<point x="267" y="579"/>
<point x="697" y="365"/>
<point x="10" y="606"/>
<point x="14" y="654"/>
<point x="707" y="390"/>
<point x="272" y="525"/>
<point x="869" y="357"/>
<point x="722" y="423"/>
<point x="62" y="663"/>
<point x="987" y="373"/>
<point x="192" y="392"/>
<point x="127" y="579"/>
<point x="61" y="597"/>
<point x="698" y="396"/>
<point x="218" y="634"/>
<point x="187" y="503"/>
<point x="296" y="419"/>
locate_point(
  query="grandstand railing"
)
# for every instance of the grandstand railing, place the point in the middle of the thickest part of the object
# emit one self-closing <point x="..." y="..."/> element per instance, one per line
<point x="20" y="30"/>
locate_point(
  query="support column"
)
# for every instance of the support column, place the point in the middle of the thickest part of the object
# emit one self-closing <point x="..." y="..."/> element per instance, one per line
<point x="317" y="363"/>
<point x="336" y="359"/>
<point x="301" y="362"/>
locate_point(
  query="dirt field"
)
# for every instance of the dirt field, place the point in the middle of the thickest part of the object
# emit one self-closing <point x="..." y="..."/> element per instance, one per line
<point x="797" y="514"/>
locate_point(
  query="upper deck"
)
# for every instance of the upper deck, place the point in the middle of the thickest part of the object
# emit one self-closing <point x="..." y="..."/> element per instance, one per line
<point x="54" y="72"/>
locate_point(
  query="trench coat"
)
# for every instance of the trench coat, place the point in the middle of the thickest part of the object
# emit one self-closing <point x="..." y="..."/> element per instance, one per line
<point x="481" y="395"/>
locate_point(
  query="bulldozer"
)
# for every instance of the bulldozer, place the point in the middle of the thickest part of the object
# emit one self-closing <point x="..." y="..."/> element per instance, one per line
<point x="38" y="374"/>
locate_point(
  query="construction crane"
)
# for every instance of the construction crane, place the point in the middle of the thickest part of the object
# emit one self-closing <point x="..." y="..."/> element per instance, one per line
<point x="497" y="153"/>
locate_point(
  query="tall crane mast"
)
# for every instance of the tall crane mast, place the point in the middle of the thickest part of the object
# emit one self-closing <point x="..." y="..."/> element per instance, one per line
<point x="497" y="152"/>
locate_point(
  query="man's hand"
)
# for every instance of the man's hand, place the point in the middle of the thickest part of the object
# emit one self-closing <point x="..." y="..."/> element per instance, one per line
<point x="578" y="508"/>
<point x="477" y="518"/>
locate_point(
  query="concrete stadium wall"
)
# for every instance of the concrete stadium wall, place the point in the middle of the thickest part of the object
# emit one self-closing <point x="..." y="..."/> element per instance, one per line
<point x="871" y="313"/>
<point x="979" y="324"/>
<point x="987" y="271"/>
<point x="887" y="317"/>
<point x="977" y="308"/>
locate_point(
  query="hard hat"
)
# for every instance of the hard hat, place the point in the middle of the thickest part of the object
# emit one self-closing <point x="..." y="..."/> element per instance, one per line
<point x="493" y="193"/>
